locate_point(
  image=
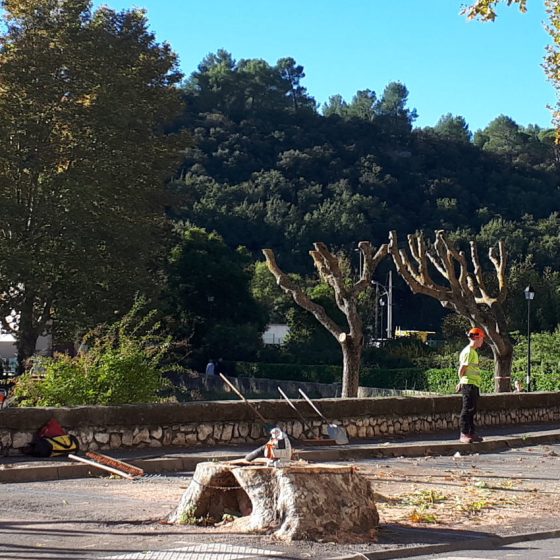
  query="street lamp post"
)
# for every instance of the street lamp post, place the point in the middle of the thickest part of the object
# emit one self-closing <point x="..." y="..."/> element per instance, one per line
<point x="361" y="265"/>
<point x="529" y="296"/>
<point x="382" y="305"/>
<point x="388" y="293"/>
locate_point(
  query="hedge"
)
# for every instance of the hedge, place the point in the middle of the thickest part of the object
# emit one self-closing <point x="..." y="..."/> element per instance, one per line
<point x="290" y="372"/>
<point x="434" y="380"/>
<point x="385" y="378"/>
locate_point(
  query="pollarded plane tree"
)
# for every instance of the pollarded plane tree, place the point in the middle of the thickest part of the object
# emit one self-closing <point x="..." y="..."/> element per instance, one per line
<point x="346" y="294"/>
<point x="465" y="290"/>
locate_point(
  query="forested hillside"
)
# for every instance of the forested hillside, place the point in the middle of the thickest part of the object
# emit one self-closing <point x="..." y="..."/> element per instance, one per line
<point x="268" y="168"/>
<point x="261" y="165"/>
<point x="125" y="184"/>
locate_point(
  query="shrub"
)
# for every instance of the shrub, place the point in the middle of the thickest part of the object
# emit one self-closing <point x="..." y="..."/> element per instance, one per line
<point x="291" y="372"/>
<point x="393" y="378"/>
<point x="545" y="360"/>
<point x="122" y="365"/>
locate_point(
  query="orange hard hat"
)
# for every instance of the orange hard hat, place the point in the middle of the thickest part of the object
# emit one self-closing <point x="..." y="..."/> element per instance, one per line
<point x="476" y="333"/>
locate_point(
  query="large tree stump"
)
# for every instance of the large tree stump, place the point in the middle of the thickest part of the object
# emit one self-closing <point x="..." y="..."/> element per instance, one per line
<point x="296" y="502"/>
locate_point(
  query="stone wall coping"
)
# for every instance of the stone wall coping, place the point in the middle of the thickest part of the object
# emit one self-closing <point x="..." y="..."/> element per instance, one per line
<point x="29" y="419"/>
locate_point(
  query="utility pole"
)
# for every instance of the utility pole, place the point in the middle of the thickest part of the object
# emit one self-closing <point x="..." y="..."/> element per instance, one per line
<point x="390" y="306"/>
<point x="376" y="312"/>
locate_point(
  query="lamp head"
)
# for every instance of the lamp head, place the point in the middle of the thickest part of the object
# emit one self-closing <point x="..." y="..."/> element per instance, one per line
<point x="529" y="293"/>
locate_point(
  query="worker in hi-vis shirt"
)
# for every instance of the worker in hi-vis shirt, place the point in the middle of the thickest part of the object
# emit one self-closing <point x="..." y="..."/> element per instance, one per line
<point x="469" y="385"/>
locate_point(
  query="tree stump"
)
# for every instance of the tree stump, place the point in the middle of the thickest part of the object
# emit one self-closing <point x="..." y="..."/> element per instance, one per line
<point x="296" y="502"/>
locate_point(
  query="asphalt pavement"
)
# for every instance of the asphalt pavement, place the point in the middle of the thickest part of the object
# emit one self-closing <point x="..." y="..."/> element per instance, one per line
<point x="21" y="469"/>
<point x="543" y="549"/>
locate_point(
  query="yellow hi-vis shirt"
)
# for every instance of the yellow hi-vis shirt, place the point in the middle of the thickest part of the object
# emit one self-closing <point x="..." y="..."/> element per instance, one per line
<point x="469" y="358"/>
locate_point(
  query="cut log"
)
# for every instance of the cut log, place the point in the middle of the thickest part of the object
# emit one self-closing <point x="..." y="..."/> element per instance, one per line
<point x="115" y="463"/>
<point x="100" y="466"/>
<point x="296" y="502"/>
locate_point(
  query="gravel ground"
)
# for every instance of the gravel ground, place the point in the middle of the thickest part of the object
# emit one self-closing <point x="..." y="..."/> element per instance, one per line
<point x="421" y="501"/>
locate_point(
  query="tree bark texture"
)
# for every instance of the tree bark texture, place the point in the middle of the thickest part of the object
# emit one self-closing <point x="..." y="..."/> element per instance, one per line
<point x="351" y="358"/>
<point x="26" y="335"/>
<point x="502" y="371"/>
<point x="296" y="502"/>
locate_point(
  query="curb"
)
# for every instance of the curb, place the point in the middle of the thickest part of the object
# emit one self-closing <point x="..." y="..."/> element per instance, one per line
<point x="63" y="471"/>
<point x="176" y="463"/>
<point x="482" y="543"/>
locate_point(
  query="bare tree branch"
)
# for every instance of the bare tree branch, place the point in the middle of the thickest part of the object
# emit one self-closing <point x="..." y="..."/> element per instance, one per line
<point x="500" y="263"/>
<point x="467" y="293"/>
<point x="350" y="337"/>
<point x="371" y="262"/>
<point x="410" y="272"/>
<point x="299" y="296"/>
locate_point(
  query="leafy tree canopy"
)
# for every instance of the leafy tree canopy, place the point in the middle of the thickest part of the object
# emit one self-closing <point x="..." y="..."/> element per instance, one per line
<point x="82" y="186"/>
<point x="269" y="174"/>
<point x="208" y="298"/>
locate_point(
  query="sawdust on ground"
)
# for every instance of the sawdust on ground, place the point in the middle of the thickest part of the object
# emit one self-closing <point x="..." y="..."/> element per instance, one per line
<point x="504" y="493"/>
<point x="518" y="490"/>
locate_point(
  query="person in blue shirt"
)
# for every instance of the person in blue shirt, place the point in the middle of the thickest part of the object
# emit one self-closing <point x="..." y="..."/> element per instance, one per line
<point x="210" y="369"/>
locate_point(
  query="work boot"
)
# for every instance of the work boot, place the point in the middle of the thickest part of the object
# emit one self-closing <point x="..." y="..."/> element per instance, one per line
<point x="465" y="438"/>
<point x="476" y="439"/>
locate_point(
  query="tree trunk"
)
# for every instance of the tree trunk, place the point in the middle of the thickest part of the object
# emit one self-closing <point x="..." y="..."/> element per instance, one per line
<point x="26" y="343"/>
<point x="350" y="336"/>
<point x="26" y="337"/>
<point x="502" y="369"/>
<point x="351" y="358"/>
<point x="296" y="502"/>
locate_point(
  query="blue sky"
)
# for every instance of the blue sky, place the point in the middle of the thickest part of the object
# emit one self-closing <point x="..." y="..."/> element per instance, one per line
<point x="449" y="65"/>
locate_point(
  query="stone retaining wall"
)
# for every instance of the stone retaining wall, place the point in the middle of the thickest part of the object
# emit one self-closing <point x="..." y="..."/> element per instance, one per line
<point x="229" y="422"/>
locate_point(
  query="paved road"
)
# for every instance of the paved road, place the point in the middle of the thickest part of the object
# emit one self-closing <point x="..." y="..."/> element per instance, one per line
<point x="536" y="550"/>
<point x="100" y="518"/>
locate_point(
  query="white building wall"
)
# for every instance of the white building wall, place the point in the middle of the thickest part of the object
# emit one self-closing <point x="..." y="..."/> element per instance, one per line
<point x="275" y="333"/>
<point x="8" y="346"/>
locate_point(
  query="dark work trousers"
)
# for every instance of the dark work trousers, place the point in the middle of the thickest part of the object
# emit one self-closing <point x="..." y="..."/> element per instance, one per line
<point x="470" y="400"/>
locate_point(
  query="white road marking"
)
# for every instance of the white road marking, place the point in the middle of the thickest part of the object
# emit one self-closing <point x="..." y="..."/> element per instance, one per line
<point x="213" y="551"/>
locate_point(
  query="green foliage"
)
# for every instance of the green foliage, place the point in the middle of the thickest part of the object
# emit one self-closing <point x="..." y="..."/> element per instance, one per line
<point x="545" y="360"/>
<point x="485" y="10"/>
<point x="452" y="128"/>
<point x="442" y="380"/>
<point x="84" y="157"/>
<point x="439" y="371"/>
<point x="265" y="291"/>
<point x="247" y="86"/>
<point x="545" y="309"/>
<point x="293" y="372"/>
<point x="264" y="169"/>
<point x="398" y="353"/>
<point x="454" y="327"/>
<point x="262" y="176"/>
<point x="410" y="365"/>
<point x="208" y="298"/>
<point x="393" y="378"/>
<point x="124" y="364"/>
